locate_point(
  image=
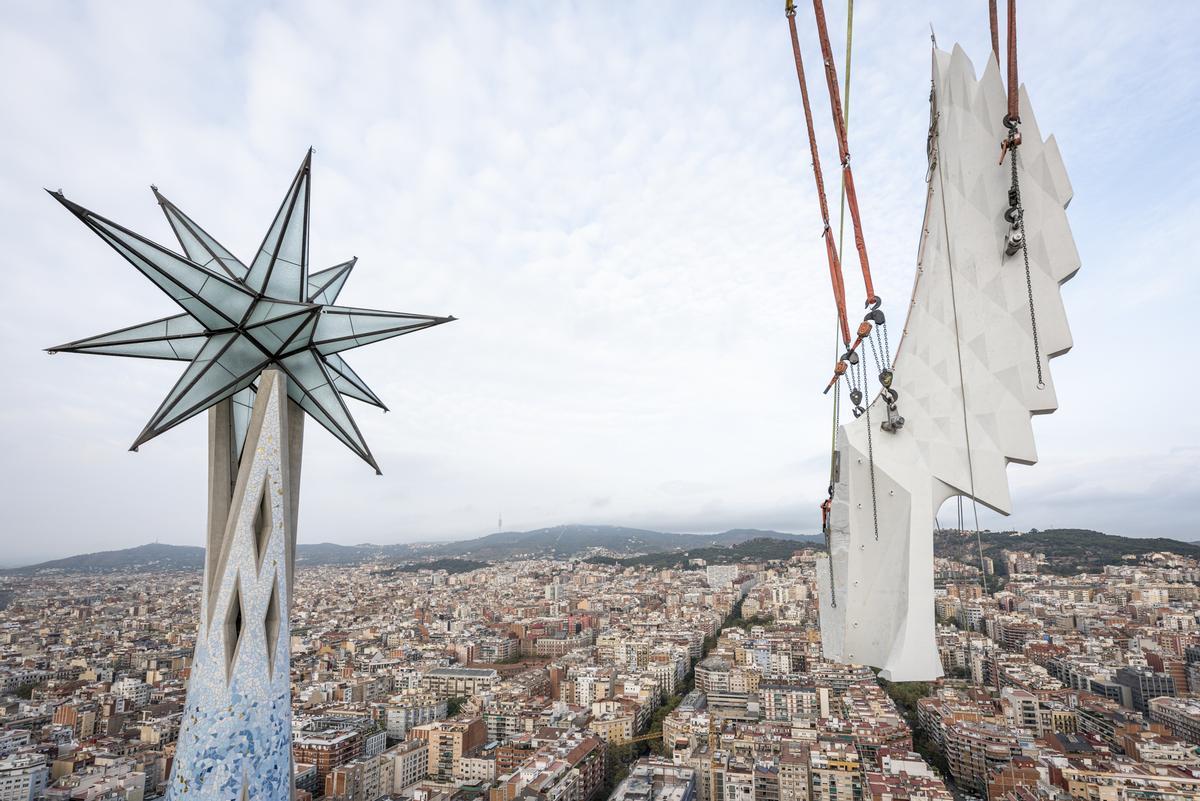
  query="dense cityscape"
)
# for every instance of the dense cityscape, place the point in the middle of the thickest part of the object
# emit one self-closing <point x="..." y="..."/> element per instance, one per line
<point x="589" y="679"/>
<point x="648" y="218"/>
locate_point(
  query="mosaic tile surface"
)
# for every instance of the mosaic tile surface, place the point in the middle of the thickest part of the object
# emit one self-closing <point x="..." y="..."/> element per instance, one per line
<point x="235" y="739"/>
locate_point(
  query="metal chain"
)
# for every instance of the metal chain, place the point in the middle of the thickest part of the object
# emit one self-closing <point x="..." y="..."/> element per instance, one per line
<point x="837" y="410"/>
<point x="1016" y="192"/>
<point x="874" y="352"/>
<point x="832" y="584"/>
<point x="871" y="461"/>
<point x="887" y="349"/>
<point x="880" y="334"/>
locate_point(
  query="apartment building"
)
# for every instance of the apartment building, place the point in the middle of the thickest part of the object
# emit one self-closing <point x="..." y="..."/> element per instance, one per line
<point x="1181" y="716"/>
<point x="459" y="682"/>
<point x="23" y="777"/>
<point x="835" y="771"/>
<point x="656" y="779"/>
<point x="450" y="740"/>
<point x="973" y="749"/>
<point x="326" y="750"/>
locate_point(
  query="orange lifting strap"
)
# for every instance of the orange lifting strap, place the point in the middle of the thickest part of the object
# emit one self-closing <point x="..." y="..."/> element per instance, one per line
<point x="835" y="265"/>
<point x="839" y="369"/>
<point x="839" y="124"/>
<point x="1014" y="109"/>
<point x="1014" y="96"/>
<point x="995" y="29"/>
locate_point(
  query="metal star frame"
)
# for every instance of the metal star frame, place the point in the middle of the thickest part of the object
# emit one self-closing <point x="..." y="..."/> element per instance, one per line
<point x="239" y="320"/>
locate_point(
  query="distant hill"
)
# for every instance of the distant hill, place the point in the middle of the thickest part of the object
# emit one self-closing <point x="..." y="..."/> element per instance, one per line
<point x="572" y="540"/>
<point x="761" y="549"/>
<point x="330" y="553"/>
<point x="153" y="556"/>
<point x="556" y="542"/>
<point x="1068" y="550"/>
<point x="449" y="564"/>
<point x="160" y="556"/>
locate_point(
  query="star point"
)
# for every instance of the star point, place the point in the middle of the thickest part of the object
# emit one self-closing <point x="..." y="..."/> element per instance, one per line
<point x="238" y="320"/>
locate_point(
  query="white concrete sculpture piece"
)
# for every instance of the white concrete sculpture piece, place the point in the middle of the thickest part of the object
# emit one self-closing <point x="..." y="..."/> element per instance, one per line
<point x="965" y="372"/>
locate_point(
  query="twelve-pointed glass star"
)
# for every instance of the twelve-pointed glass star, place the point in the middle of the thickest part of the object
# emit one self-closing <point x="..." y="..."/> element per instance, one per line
<point x="239" y="320"/>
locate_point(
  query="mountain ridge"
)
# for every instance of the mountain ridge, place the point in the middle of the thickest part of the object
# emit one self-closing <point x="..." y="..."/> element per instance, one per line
<point x="555" y="541"/>
<point x="1067" y="550"/>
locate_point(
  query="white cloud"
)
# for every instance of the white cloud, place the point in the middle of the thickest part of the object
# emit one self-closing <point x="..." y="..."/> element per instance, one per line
<point x="617" y="203"/>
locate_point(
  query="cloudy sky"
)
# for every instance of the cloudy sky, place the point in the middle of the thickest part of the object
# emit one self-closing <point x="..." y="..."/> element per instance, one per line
<point x="615" y="199"/>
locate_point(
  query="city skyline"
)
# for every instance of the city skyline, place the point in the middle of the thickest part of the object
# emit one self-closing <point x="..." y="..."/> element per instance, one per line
<point x="645" y="330"/>
<point x="600" y="680"/>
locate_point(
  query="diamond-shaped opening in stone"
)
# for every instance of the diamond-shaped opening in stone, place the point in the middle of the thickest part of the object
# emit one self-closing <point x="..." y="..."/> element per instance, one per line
<point x="234" y="624"/>
<point x="271" y="625"/>
<point x="263" y="522"/>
